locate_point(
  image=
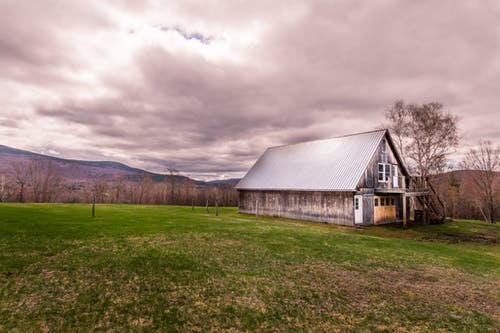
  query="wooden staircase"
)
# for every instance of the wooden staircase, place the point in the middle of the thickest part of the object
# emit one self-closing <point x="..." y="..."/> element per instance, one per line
<point x="432" y="207"/>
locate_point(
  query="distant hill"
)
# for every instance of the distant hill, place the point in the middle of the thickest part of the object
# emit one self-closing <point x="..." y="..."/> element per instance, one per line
<point x="84" y="171"/>
<point x="226" y="182"/>
<point x="458" y="191"/>
<point x="456" y="178"/>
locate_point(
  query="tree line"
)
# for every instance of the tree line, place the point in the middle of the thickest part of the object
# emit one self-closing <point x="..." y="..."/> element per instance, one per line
<point x="39" y="180"/>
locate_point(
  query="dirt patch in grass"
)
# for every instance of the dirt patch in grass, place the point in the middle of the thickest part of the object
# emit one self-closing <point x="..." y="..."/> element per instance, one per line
<point x="457" y="238"/>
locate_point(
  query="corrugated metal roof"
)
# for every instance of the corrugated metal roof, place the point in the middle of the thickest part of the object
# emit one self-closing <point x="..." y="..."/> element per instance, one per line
<point x="335" y="164"/>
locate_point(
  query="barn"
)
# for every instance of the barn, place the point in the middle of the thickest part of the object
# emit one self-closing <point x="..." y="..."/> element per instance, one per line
<point x="357" y="179"/>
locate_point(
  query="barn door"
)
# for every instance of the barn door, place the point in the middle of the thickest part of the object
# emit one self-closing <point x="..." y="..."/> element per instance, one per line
<point x="358" y="209"/>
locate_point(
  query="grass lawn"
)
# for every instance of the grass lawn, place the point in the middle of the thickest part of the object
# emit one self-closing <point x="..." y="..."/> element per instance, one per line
<point x="165" y="268"/>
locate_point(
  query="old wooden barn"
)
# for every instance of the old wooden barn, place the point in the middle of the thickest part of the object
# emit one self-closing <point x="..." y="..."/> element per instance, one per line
<point x="357" y="179"/>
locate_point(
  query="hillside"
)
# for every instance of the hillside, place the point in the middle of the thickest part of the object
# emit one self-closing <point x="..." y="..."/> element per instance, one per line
<point x="458" y="191"/>
<point x="79" y="170"/>
<point x="49" y="179"/>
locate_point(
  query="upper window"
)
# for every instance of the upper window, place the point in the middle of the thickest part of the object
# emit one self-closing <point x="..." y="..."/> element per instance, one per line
<point x="384" y="172"/>
<point x="383" y="146"/>
<point x="383" y="151"/>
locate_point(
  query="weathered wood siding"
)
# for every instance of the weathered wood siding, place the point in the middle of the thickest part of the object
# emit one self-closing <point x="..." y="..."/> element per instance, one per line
<point x="330" y="207"/>
<point x="370" y="177"/>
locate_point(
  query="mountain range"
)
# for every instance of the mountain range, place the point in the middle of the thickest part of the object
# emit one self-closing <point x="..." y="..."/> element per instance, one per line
<point x="83" y="171"/>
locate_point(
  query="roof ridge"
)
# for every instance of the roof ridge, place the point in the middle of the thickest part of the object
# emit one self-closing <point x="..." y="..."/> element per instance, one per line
<point x="326" y="139"/>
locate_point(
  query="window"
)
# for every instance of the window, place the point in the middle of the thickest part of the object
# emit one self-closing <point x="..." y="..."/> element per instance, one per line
<point x="356" y="203"/>
<point x="392" y="201"/>
<point x="381" y="172"/>
<point x="382" y="202"/>
<point x="383" y="151"/>
<point x="395" y="174"/>
<point x="384" y="172"/>
<point x="376" y="202"/>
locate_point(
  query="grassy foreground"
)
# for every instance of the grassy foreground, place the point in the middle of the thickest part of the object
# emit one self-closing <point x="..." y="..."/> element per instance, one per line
<point x="164" y="268"/>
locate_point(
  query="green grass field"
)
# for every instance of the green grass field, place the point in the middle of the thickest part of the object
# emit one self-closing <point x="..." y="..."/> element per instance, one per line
<point x="164" y="268"/>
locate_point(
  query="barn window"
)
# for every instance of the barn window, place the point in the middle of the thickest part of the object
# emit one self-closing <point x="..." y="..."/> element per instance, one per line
<point x="376" y="202"/>
<point x="392" y="201"/>
<point x="382" y="202"/>
<point x="383" y="151"/>
<point x="384" y="172"/>
<point x="356" y="203"/>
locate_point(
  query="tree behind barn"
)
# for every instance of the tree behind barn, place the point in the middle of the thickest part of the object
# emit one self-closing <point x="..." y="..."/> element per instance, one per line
<point x="485" y="161"/>
<point x="425" y="135"/>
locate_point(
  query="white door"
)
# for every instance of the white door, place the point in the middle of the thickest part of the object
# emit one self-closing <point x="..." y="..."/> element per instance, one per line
<point x="395" y="176"/>
<point x="358" y="209"/>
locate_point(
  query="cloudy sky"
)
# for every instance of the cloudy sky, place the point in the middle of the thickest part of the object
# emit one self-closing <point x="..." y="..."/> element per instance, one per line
<point x="206" y="86"/>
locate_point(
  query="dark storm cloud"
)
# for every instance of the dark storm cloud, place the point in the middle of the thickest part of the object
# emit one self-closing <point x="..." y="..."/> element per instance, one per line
<point x="315" y="70"/>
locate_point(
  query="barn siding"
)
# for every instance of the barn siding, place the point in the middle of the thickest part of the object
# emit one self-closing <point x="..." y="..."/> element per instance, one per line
<point x="330" y="207"/>
<point x="370" y="176"/>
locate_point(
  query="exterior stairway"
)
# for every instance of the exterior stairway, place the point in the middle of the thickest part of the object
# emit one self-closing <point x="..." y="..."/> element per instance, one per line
<point x="432" y="207"/>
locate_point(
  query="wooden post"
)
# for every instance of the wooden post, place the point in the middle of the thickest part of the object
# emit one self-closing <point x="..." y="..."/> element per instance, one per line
<point x="216" y="208"/>
<point x="206" y="206"/>
<point x="192" y="205"/>
<point x="404" y="210"/>
<point x="93" y="207"/>
<point x="257" y="208"/>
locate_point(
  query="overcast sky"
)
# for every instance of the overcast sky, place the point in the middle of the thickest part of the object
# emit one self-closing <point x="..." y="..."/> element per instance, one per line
<point x="206" y="86"/>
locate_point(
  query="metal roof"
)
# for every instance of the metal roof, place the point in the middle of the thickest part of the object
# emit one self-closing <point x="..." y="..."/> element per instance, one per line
<point x="335" y="164"/>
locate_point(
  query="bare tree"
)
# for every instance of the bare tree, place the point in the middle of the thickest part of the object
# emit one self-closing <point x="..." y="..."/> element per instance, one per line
<point x="425" y="134"/>
<point x="46" y="185"/>
<point x="172" y="175"/>
<point x="20" y="173"/>
<point x="399" y="122"/>
<point x="453" y="194"/>
<point x="3" y="188"/>
<point x="485" y="161"/>
<point x="143" y="189"/>
<point x="118" y="190"/>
